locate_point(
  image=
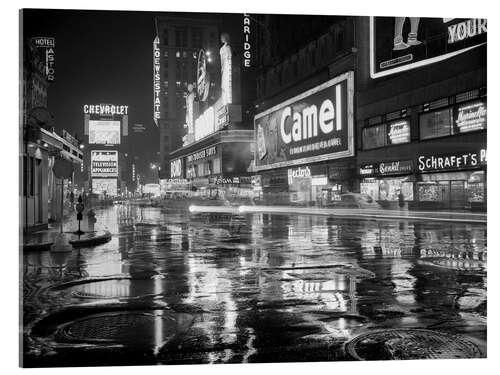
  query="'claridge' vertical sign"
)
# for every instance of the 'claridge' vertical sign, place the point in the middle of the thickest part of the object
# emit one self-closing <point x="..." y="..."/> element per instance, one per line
<point x="247" y="55"/>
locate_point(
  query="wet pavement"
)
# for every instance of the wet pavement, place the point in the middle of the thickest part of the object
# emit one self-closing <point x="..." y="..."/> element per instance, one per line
<point x="173" y="287"/>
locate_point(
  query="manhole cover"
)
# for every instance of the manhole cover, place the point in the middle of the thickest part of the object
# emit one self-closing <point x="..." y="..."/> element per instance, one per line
<point x="127" y="328"/>
<point x="86" y="295"/>
<point x="457" y="264"/>
<point x="399" y="344"/>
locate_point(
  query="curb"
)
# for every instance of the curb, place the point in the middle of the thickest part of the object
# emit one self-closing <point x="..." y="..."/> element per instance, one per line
<point x="44" y="246"/>
<point x="94" y="241"/>
<point x="98" y="240"/>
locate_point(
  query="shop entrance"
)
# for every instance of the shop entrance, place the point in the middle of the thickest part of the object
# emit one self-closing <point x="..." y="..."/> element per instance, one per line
<point x="458" y="195"/>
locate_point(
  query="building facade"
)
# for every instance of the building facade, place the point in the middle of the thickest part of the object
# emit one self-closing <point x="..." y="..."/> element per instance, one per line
<point x="217" y="137"/>
<point x="418" y="108"/>
<point x="41" y="148"/>
<point x="304" y="127"/>
<point x="176" y="50"/>
<point x="421" y="113"/>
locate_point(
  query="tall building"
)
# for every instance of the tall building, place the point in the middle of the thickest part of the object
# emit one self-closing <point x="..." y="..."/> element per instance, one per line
<point x="176" y="47"/>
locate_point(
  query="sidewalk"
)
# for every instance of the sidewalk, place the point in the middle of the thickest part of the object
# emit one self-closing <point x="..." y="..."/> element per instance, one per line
<point x="43" y="240"/>
<point x="447" y="216"/>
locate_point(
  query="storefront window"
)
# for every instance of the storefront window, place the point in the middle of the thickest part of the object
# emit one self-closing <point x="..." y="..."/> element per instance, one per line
<point x="391" y="133"/>
<point x="370" y="189"/>
<point x="388" y="189"/>
<point x="216" y="166"/>
<point x="453" y="189"/>
<point x="433" y="191"/>
<point x="475" y="192"/>
<point x="436" y="124"/>
<point x="374" y="136"/>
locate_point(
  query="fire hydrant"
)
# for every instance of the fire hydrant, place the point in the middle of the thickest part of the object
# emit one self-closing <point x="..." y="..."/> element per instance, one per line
<point x="91" y="220"/>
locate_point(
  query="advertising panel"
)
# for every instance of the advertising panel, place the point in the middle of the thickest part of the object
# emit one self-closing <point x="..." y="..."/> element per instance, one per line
<point x="205" y="153"/>
<point x="106" y="186"/>
<point x="398" y="132"/>
<point x="316" y="125"/>
<point x="176" y="168"/>
<point x="104" y="132"/>
<point x="465" y="160"/>
<point x="104" y="163"/>
<point x="401" y="43"/>
<point x="471" y="116"/>
<point x="205" y="124"/>
<point x="387" y="168"/>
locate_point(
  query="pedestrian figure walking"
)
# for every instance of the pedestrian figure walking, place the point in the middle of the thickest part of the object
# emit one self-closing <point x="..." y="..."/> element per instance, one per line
<point x="401" y="199"/>
<point x="71" y="199"/>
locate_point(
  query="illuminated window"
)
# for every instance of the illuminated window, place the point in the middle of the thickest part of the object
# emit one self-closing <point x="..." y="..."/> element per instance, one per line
<point x="178" y="54"/>
<point x="436" y="123"/>
<point x="374" y="137"/>
<point x="194" y="55"/>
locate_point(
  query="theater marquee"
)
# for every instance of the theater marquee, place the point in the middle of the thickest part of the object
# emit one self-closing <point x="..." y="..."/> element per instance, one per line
<point x="314" y="126"/>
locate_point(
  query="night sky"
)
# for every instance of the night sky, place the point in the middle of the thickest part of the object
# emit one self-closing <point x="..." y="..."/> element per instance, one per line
<point x="104" y="57"/>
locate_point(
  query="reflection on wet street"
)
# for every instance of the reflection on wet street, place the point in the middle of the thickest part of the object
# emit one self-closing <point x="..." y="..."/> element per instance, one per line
<point x="173" y="287"/>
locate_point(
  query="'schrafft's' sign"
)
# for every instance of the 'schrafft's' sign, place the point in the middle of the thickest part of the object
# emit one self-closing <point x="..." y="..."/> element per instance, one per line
<point x="314" y="126"/>
<point x="156" y="80"/>
<point x="455" y="161"/>
<point x="401" y="43"/>
<point x="104" y="163"/>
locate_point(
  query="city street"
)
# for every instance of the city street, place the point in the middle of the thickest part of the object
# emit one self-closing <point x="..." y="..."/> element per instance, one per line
<point x="173" y="287"/>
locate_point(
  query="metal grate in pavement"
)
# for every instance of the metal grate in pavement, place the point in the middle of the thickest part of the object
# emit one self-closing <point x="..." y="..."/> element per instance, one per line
<point x="128" y="328"/>
<point x="401" y="344"/>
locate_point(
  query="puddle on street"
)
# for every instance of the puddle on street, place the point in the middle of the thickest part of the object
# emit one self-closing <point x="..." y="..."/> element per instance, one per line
<point x="272" y="281"/>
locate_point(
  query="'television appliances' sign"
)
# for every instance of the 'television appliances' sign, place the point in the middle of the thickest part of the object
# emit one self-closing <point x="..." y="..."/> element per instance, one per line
<point x="316" y="125"/>
<point x="104" y="163"/>
<point x="402" y="43"/>
<point x="455" y="161"/>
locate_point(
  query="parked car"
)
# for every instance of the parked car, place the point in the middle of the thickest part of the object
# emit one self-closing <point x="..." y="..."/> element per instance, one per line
<point x="355" y="200"/>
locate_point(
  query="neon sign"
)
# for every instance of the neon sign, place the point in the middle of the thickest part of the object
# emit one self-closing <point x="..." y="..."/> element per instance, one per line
<point x="471" y="117"/>
<point x="156" y="80"/>
<point x="105" y="109"/>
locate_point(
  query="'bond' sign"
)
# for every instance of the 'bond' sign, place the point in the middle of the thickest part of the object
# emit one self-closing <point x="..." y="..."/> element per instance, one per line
<point x="316" y="125"/>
